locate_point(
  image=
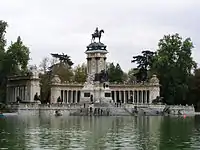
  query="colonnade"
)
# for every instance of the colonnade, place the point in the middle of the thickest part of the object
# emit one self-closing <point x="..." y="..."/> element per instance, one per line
<point x="127" y="96"/>
<point x="70" y="96"/>
<point x="136" y="96"/>
<point x="13" y="92"/>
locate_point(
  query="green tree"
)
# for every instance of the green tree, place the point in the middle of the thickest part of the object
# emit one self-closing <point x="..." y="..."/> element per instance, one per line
<point x="144" y="63"/>
<point x="63" y="68"/>
<point x="173" y="64"/>
<point x="64" y="59"/>
<point x="80" y="73"/>
<point x="13" y="61"/>
<point x="3" y="26"/>
<point x="17" y="56"/>
<point x="45" y="85"/>
<point x="118" y="74"/>
<point x="145" y="60"/>
<point x="111" y="72"/>
<point x="131" y="74"/>
<point x="115" y="73"/>
<point x="125" y="77"/>
<point x="194" y="90"/>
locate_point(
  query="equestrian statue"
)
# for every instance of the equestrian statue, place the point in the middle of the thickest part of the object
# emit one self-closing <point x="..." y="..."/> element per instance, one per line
<point x="97" y="34"/>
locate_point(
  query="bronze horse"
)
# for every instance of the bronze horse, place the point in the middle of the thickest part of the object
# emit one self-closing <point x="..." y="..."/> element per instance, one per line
<point x="97" y="35"/>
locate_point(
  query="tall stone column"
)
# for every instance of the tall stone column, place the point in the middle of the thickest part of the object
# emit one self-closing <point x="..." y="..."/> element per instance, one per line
<point x="66" y="97"/>
<point x="72" y="96"/>
<point x="124" y="96"/>
<point x="133" y="95"/>
<point x="115" y="97"/>
<point x="15" y="89"/>
<point x="26" y="94"/>
<point x="146" y="95"/>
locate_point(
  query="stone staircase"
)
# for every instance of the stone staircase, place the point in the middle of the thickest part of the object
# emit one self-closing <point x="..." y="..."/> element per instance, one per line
<point x="102" y="109"/>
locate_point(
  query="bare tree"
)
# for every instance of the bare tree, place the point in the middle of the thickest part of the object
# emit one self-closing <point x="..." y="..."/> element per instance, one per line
<point x="44" y="65"/>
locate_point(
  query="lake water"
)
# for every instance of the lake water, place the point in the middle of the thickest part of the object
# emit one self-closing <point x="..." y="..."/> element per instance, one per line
<point x="99" y="133"/>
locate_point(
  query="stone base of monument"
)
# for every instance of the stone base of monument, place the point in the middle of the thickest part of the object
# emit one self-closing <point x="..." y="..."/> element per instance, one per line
<point x="95" y="93"/>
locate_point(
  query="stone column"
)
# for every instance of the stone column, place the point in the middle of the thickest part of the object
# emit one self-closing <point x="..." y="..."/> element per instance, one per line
<point x="146" y="96"/>
<point x="133" y="94"/>
<point x="124" y="96"/>
<point x="15" y="91"/>
<point x="26" y="94"/>
<point x="64" y="97"/>
<point x="72" y="95"/>
<point x="138" y="98"/>
<point x="20" y="93"/>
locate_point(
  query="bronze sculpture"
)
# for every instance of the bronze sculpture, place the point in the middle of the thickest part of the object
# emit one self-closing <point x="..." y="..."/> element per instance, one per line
<point x="97" y="34"/>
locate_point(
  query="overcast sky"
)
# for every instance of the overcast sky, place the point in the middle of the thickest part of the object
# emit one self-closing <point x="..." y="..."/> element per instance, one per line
<point x="56" y="26"/>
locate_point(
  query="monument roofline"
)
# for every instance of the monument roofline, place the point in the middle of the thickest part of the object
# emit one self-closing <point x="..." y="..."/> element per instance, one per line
<point x="96" y="51"/>
<point x="96" y="46"/>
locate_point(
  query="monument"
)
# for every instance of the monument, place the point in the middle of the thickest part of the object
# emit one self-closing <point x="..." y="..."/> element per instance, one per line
<point x="96" y="88"/>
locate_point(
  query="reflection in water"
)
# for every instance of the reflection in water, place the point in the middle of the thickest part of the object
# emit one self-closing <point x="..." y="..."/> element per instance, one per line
<point x="140" y="133"/>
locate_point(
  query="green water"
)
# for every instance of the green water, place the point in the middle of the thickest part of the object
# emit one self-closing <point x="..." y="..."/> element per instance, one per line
<point x="98" y="133"/>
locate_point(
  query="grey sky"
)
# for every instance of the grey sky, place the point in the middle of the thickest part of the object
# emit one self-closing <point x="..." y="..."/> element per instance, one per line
<point x="130" y="26"/>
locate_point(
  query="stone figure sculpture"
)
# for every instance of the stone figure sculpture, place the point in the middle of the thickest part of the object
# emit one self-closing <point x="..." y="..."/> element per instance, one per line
<point x="102" y="76"/>
<point x="97" y="34"/>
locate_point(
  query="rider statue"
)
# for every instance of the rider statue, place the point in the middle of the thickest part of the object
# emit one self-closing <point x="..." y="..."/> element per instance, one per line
<point x="96" y="31"/>
<point x="97" y="34"/>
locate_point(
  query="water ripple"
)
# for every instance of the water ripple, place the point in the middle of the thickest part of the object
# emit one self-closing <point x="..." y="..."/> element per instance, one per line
<point x="109" y="133"/>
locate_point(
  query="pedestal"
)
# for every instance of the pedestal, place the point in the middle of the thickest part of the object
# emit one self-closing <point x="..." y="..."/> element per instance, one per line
<point x="96" y="93"/>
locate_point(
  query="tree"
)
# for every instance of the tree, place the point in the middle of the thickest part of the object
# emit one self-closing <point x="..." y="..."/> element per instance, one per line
<point x="44" y="65"/>
<point x="13" y="61"/>
<point x="80" y="73"/>
<point x="115" y="73"/>
<point x="173" y="64"/>
<point x="18" y="56"/>
<point x="125" y="77"/>
<point x="144" y="63"/>
<point x="194" y="90"/>
<point x="61" y="68"/>
<point x="145" y="60"/>
<point x="3" y="26"/>
<point x="111" y="72"/>
<point x="118" y="74"/>
<point x="64" y="59"/>
<point x="131" y="75"/>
